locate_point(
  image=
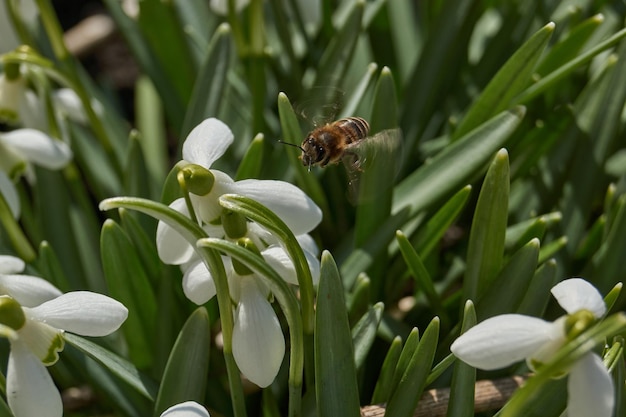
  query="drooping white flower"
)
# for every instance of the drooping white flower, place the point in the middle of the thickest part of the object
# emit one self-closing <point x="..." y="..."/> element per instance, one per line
<point x="221" y="6"/>
<point x="505" y="339"/>
<point x="36" y="336"/>
<point x="27" y="290"/>
<point x="186" y="409"/>
<point x="258" y="342"/>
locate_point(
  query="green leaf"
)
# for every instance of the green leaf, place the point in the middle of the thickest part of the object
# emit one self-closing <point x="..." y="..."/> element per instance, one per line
<point x="360" y="298"/>
<point x="382" y="391"/>
<point x="430" y="234"/>
<point x="505" y="293"/>
<point x="185" y="374"/>
<point x="50" y="267"/>
<point x="252" y="162"/>
<point x="486" y="242"/>
<point x="136" y="178"/>
<point x="292" y="134"/>
<point x="208" y="91"/>
<point x="173" y="102"/>
<point x="510" y="81"/>
<point x="116" y="364"/>
<point x="453" y="167"/>
<point x="564" y="70"/>
<point x="355" y="100"/>
<point x="364" y="333"/>
<point x="404" y="399"/>
<point x="336" y="385"/>
<point x="423" y="280"/>
<point x="537" y="295"/>
<point x="410" y="346"/>
<point x="569" y="47"/>
<point x="461" y="401"/>
<point x="128" y="283"/>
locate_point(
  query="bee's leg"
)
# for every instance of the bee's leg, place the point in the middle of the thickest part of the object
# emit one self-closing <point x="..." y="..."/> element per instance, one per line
<point x="353" y="160"/>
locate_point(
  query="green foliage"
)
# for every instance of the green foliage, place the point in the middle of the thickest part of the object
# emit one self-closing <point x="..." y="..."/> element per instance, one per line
<point x="503" y="173"/>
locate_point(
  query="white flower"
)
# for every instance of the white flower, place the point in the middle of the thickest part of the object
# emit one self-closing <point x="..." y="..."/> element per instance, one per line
<point x="258" y="342"/>
<point x="186" y="409"/>
<point x="502" y="340"/>
<point x="9" y="193"/>
<point x="36" y="336"/>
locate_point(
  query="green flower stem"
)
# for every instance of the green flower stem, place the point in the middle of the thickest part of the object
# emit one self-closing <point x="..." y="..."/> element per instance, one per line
<point x="235" y="25"/>
<point x="183" y="187"/>
<point x="20" y="243"/>
<point x="55" y="35"/>
<point x="192" y="232"/>
<point x="288" y="303"/>
<point x="257" y="212"/>
<point x="563" y="359"/>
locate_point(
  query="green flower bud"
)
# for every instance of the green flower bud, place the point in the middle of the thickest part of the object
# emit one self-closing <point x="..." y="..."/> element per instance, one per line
<point x="11" y="313"/>
<point x="12" y="71"/>
<point x="235" y="225"/>
<point x="578" y="322"/>
<point x="197" y="179"/>
<point x="240" y="268"/>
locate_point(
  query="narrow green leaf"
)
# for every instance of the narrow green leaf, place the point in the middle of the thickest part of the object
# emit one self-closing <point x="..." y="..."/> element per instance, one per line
<point x="564" y="70"/>
<point x="292" y="134"/>
<point x="569" y="47"/>
<point x="173" y="102"/>
<point x="116" y="364"/>
<point x="537" y="295"/>
<point x="364" y="333"/>
<point x="404" y="399"/>
<point x="382" y="391"/>
<point x="510" y="81"/>
<point x="355" y="100"/>
<point x="486" y="242"/>
<point x="252" y="162"/>
<point x="423" y="280"/>
<point x="549" y="250"/>
<point x="136" y="178"/>
<point x="409" y="349"/>
<point x="128" y="283"/>
<point x="185" y="374"/>
<point x="336" y="58"/>
<point x="159" y="24"/>
<point x="207" y="94"/>
<point x="519" y="234"/>
<point x="612" y="296"/>
<point x="429" y="235"/>
<point x="461" y="403"/>
<point x="360" y="299"/>
<point x="505" y="293"/>
<point x="453" y="167"/>
<point x="336" y="385"/>
<point x="146" y="246"/>
<point x="50" y="267"/>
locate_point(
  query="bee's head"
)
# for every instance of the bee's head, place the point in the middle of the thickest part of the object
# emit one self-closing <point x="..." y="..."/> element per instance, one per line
<point x="312" y="152"/>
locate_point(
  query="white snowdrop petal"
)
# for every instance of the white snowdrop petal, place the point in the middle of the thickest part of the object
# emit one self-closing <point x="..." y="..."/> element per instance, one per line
<point x="27" y="290"/>
<point x="39" y="148"/>
<point x="172" y="247"/>
<point x="278" y="259"/>
<point x="28" y="379"/>
<point x="502" y="340"/>
<point x="576" y="294"/>
<point x="186" y="409"/>
<point x="307" y="243"/>
<point x="207" y="142"/>
<point x="590" y="389"/>
<point x="82" y="312"/>
<point x="198" y="284"/>
<point x="289" y="202"/>
<point x="221" y="6"/>
<point x="8" y="191"/>
<point x="314" y="266"/>
<point x="11" y="264"/>
<point x="258" y="342"/>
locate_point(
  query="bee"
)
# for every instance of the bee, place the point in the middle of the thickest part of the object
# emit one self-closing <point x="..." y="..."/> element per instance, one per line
<point x="332" y="142"/>
<point x="347" y="140"/>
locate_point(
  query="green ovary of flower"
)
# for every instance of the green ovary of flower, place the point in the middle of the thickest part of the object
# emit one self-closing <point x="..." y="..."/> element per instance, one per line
<point x="235" y="225"/>
<point x="578" y="322"/>
<point x="11" y="162"/>
<point x="197" y="179"/>
<point x="11" y="313"/>
<point x="240" y="268"/>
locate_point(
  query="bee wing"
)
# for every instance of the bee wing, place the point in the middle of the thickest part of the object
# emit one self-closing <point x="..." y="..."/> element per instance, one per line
<point x="372" y="165"/>
<point x="320" y="105"/>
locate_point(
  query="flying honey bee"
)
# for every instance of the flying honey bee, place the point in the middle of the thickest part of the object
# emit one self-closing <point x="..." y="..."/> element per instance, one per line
<point x="347" y="140"/>
<point x="333" y="141"/>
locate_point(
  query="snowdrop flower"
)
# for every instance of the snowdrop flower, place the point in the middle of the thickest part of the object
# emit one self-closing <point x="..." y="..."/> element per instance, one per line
<point x="186" y="409"/>
<point x="221" y="6"/>
<point x="258" y="342"/>
<point x="502" y="340"/>
<point x="36" y="336"/>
